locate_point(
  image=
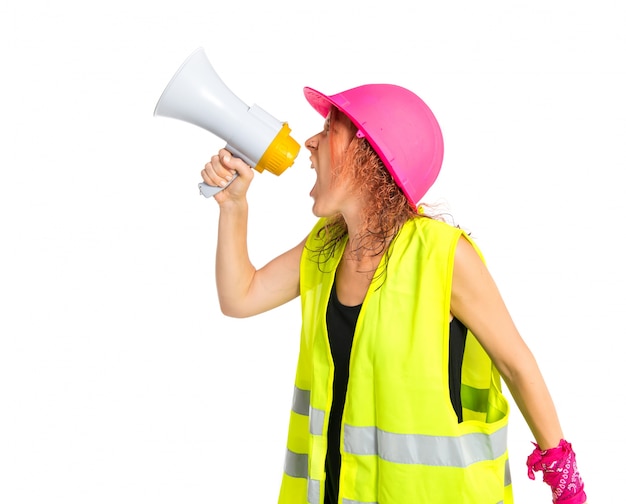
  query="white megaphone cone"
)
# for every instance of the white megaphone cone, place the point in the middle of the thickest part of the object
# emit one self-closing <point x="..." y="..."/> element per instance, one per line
<point x="198" y="96"/>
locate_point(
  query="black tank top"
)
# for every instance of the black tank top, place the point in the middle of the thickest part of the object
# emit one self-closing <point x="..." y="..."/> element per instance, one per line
<point x="340" y="322"/>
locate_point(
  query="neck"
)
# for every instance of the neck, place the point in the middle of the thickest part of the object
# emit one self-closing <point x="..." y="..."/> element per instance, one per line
<point x="364" y="243"/>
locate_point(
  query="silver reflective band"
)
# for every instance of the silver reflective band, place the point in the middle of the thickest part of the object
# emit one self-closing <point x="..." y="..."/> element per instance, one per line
<point x="301" y="401"/>
<point x="313" y="491"/>
<point x="350" y="501"/>
<point x="316" y="421"/>
<point x="449" y="451"/>
<point x="301" y="405"/>
<point x="507" y="473"/>
<point x="296" y="464"/>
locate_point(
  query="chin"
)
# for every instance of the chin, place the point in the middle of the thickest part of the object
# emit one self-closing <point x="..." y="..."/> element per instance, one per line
<point x="317" y="211"/>
<point x="321" y="213"/>
<point x="324" y="207"/>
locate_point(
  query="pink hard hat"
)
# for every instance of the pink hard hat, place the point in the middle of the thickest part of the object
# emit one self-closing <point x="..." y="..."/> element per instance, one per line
<point x="398" y="125"/>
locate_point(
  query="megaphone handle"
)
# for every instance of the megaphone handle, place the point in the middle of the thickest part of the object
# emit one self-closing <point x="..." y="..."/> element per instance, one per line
<point x="208" y="190"/>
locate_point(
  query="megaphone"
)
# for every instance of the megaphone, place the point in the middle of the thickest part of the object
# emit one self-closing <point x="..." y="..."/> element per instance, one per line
<point x="197" y="95"/>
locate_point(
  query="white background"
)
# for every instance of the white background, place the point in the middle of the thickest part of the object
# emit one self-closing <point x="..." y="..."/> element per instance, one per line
<point x="121" y="381"/>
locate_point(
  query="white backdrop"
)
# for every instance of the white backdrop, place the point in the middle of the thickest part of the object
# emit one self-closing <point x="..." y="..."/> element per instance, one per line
<point x="121" y="381"/>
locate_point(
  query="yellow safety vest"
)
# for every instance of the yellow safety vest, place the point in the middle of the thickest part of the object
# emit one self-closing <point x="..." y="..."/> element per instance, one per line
<point x="401" y="442"/>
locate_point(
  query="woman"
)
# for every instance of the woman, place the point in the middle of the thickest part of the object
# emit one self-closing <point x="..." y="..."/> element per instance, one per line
<point x="404" y="333"/>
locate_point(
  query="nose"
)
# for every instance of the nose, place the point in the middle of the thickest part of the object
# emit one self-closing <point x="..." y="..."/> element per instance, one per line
<point x="311" y="143"/>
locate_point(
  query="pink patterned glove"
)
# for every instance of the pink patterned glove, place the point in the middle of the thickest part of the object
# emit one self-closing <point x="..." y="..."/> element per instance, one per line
<point x="560" y="472"/>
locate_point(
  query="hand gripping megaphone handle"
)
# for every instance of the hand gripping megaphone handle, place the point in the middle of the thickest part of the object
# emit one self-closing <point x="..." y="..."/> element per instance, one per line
<point x="209" y="191"/>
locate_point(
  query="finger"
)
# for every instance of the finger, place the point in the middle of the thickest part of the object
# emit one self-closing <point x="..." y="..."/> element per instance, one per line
<point x="215" y="173"/>
<point x="235" y="164"/>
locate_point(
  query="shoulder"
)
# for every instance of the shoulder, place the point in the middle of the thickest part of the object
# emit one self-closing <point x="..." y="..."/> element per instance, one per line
<point x="430" y="231"/>
<point x="430" y="224"/>
<point x="437" y="236"/>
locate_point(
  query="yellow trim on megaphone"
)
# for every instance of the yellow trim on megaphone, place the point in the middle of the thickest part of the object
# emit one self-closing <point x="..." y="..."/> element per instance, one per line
<point x="280" y="154"/>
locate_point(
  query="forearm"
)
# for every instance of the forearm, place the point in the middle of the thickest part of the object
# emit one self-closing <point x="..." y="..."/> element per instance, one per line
<point x="233" y="270"/>
<point x="553" y="455"/>
<point x="531" y="394"/>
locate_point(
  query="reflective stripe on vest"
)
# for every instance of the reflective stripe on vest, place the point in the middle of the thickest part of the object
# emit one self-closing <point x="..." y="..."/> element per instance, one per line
<point x="445" y="451"/>
<point x="450" y="451"/>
